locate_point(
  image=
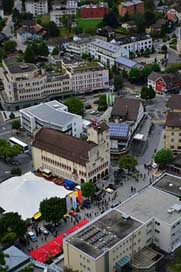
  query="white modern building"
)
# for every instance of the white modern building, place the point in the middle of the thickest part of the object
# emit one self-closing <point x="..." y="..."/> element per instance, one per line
<point x="60" y="9"/>
<point x="113" y="239"/>
<point x="106" y="52"/>
<point x="52" y="114"/>
<point x="36" y="7"/>
<point x="79" y="46"/>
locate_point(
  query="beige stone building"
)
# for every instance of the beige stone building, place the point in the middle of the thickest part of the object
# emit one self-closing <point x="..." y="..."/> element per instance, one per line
<point x="26" y="85"/>
<point x="173" y="124"/>
<point x="173" y="131"/>
<point x="72" y="158"/>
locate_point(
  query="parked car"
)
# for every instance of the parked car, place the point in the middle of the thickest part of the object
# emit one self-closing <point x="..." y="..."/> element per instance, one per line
<point x="87" y="204"/>
<point x="44" y="230"/>
<point x="32" y="236"/>
<point x="154" y="165"/>
<point x="115" y="204"/>
<point x="109" y="190"/>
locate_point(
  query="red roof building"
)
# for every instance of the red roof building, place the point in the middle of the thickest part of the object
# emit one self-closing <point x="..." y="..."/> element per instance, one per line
<point x="94" y="11"/>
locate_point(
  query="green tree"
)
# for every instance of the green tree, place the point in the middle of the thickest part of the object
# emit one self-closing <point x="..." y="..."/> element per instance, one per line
<point x="9" y="238"/>
<point x="135" y="75"/>
<point x="16" y="171"/>
<point x="128" y="162"/>
<point x="7" y="150"/>
<point x="12" y="115"/>
<point x="55" y="51"/>
<point x="28" y="268"/>
<point x="75" y="105"/>
<point x="118" y="82"/>
<point x="147" y="93"/>
<point x="163" y="157"/>
<point x="16" y="124"/>
<point x="149" y="17"/>
<point x="140" y="23"/>
<point x="102" y="104"/>
<point x="11" y="223"/>
<point x="29" y="54"/>
<point x="53" y="209"/>
<point x="53" y="30"/>
<point x="10" y="46"/>
<point x="43" y="49"/>
<point x="3" y="267"/>
<point x="88" y="189"/>
<point x="110" y="19"/>
<point x="7" y="6"/>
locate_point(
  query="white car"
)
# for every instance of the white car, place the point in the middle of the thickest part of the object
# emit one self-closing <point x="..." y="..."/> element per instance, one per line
<point x="154" y="165"/>
<point x="44" y="230"/>
<point x="109" y="190"/>
<point x="32" y="236"/>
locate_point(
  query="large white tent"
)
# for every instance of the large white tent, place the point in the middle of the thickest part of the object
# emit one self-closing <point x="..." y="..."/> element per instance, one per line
<point x="23" y="194"/>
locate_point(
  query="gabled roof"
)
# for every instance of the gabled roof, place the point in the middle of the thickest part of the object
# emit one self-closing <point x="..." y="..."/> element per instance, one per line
<point x="126" y="108"/>
<point x="173" y="119"/>
<point x="63" y="145"/>
<point x="174" y="102"/>
<point x="154" y="76"/>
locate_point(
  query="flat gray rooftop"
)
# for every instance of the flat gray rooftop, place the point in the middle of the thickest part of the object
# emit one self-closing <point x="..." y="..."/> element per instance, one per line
<point x="49" y="114"/>
<point x="170" y="184"/>
<point x="146" y="258"/>
<point x="151" y="203"/>
<point x="103" y="233"/>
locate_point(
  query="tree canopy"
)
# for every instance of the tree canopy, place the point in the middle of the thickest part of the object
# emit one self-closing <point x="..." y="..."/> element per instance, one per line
<point x="16" y="124"/>
<point x="147" y="93"/>
<point x="102" y="104"/>
<point x="118" y="82"/>
<point x="35" y="50"/>
<point x="7" y="150"/>
<point x="163" y="157"/>
<point x="53" y="209"/>
<point x="110" y="19"/>
<point x="75" y="105"/>
<point x="88" y="189"/>
<point x="9" y="46"/>
<point x="7" y="6"/>
<point x="11" y="227"/>
<point x="128" y="162"/>
<point x="53" y="30"/>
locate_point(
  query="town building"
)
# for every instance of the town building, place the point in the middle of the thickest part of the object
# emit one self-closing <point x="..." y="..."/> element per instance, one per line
<point x="174" y="167"/>
<point x="173" y="131"/>
<point x="94" y="11"/>
<point x="30" y="31"/>
<point x="86" y="77"/>
<point x="15" y="259"/>
<point x="52" y="114"/>
<point x="127" y="64"/>
<point x="174" y="103"/>
<point x="26" y="85"/>
<point x="79" y="46"/>
<point x="134" y="44"/>
<point x="106" y="52"/>
<point x="165" y="83"/>
<point x="126" y="116"/>
<point x="131" y="8"/>
<point x="171" y="15"/>
<point x="36" y="7"/>
<point x="113" y="240"/>
<point x="72" y="158"/>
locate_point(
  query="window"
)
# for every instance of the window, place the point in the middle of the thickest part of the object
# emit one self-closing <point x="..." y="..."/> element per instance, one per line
<point x="157" y="223"/>
<point x="157" y="231"/>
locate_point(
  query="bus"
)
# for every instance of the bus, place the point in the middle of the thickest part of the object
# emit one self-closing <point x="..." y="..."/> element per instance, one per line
<point x="45" y="172"/>
<point x="15" y="141"/>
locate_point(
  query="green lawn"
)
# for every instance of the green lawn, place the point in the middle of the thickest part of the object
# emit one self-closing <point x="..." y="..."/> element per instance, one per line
<point x="44" y="19"/>
<point x="88" y="25"/>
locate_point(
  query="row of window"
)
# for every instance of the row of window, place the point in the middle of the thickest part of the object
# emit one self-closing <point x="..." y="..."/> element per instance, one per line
<point x="98" y="169"/>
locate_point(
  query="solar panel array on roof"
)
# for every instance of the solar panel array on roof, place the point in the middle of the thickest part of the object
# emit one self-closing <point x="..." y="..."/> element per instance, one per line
<point x="118" y="130"/>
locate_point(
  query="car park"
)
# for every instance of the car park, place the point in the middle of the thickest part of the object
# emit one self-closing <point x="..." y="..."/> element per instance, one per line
<point x="44" y="230"/>
<point x="32" y="236"/>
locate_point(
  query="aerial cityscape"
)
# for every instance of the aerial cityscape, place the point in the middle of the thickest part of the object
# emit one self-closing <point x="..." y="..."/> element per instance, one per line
<point x="90" y="136"/>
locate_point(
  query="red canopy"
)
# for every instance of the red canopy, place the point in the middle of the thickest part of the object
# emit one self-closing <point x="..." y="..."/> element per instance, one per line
<point x="54" y="247"/>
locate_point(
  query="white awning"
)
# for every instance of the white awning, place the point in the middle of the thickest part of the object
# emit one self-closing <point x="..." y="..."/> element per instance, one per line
<point x="138" y="136"/>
